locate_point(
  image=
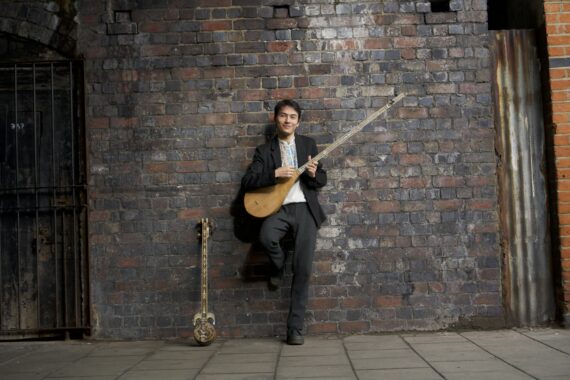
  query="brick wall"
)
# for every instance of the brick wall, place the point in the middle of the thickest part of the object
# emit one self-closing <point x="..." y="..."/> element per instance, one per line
<point x="557" y="14"/>
<point x="179" y="92"/>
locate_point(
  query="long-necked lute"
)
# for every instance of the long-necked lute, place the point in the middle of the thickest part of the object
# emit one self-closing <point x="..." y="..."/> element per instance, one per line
<point x="266" y="201"/>
<point x="204" y="321"/>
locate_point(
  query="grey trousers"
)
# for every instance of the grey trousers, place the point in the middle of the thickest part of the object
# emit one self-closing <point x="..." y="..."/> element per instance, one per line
<point x="297" y="218"/>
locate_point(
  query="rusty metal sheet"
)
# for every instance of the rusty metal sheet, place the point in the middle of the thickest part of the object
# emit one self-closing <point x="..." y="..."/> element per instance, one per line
<point x="527" y="286"/>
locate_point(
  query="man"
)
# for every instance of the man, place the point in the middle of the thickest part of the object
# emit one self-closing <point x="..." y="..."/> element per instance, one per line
<point x="300" y="214"/>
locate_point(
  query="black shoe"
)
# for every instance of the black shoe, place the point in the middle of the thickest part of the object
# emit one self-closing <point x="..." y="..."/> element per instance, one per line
<point x="274" y="282"/>
<point x="295" y="338"/>
<point x="275" y="279"/>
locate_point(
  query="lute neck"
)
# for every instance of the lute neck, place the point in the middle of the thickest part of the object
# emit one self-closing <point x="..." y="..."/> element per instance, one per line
<point x="204" y="290"/>
<point x="341" y="140"/>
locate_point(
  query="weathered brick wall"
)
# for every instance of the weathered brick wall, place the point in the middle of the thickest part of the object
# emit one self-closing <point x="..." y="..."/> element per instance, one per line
<point x="557" y="15"/>
<point x="49" y="23"/>
<point x="180" y="92"/>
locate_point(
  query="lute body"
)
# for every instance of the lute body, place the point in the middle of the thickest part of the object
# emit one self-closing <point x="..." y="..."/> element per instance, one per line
<point x="266" y="201"/>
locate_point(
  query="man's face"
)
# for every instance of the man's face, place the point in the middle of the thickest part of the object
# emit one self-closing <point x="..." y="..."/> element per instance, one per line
<point x="287" y="120"/>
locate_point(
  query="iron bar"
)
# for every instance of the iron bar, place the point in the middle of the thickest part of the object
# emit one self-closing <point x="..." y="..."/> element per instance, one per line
<point x="37" y="221"/>
<point x="73" y="180"/>
<point x="17" y="150"/>
<point x="54" y="196"/>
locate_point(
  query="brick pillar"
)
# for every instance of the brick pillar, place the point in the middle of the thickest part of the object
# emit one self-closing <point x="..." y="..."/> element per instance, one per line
<point x="557" y="15"/>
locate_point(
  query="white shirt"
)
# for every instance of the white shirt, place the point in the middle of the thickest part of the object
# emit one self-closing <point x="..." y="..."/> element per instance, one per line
<point x="289" y="158"/>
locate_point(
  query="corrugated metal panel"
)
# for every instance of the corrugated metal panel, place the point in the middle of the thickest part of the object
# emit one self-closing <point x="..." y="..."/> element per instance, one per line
<point x="528" y="287"/>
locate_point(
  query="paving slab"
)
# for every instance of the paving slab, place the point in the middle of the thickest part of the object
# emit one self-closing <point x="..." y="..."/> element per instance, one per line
<point x="456" y="351"/>
<point x="399" y="374"/>
<point x="159" y="374"/>
<point x="528" y="355"/>
<point x="517" y="354"/>
<point x="317" y="360"/>
<point x="389" y="363"/>
<point x="381" y="354"/>
<point x="327" y="371"/>
<point x="259" y="357"/>
<point x="315" y="346"/>
<point x="375" y="342"/>
<point x="558" y="339"/>
<point x="98" y="366"/>
<point x="491" y="375"/>
<point x="240" y="376"/>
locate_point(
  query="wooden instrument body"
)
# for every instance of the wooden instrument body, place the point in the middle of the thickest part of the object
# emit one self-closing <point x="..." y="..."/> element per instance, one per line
<point x="204" y="331"/>
<point x="267" y="200"/>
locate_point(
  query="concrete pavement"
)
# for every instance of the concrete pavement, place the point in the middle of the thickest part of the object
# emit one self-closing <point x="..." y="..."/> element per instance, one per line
<point x="487" y="355"/>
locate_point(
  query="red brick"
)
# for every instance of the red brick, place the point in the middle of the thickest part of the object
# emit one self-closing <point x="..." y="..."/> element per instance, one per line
<point x="159" y="167"/>
<point x="314" y="93"/>
<point x="558" y="40"/>
<point x="564" y="219"/>
<point x="322" y="303"/>
<point x="352" y="327"/>
<point x="451" y="204"/>
<point x="561" y="107"/>
<point x="191" y="213"/>
<point x="480" y="204"/>
<point x="487" y="299"/>
<point x="413" y="113"/>
<point x="409" y="42"/>
<point x="387" y="301"/>
<point x="249" y="95"/>
<point x="384" y="206"/>
<point x="99" y="216"/>
<point x="354" y="302"/>
<point x="97" y="122"/>
<point x="562" y="151"/>
<point x="218" y="72"/>
<point x="378" y="43"/>
<point x="128" y="262"/>
<point x="323" y="328"/>
<point x="219" y="119"/>
<point x="155" y="50"/>
<point x="191" y="166"/>
<point x="281" y="23"/>
<point x="283" y="93"/>
<point x="414" y="182"/>
<point x="153" y="27"/>
<point x="124" y="122"/>
<point x="280" y="46"/>
<point x="216" y="25"/>
<point x="448" y="181"/>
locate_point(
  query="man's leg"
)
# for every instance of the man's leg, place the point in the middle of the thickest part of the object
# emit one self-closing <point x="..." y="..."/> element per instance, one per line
<point x="272" y="231"/>
<point x="305" y="240"/>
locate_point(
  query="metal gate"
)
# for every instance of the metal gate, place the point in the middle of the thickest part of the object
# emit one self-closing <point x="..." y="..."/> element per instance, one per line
<point x="43" y="259"/>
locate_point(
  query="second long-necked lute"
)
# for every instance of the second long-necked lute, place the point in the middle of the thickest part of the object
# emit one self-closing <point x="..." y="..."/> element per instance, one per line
<point x="266" y="201"/>
<point x="204" y="321"/>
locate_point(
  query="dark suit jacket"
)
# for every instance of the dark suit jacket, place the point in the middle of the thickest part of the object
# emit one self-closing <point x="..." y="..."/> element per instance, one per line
<point x="267" y="158"/>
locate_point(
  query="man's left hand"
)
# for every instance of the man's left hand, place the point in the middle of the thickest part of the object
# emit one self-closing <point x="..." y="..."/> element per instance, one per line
<point x="312" y="168"/>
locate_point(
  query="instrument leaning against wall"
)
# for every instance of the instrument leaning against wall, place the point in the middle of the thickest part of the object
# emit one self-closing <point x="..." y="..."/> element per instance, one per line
<point x="204" y="321"/>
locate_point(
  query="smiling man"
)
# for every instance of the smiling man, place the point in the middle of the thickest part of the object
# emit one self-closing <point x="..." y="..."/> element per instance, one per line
<point x="300" y="214"/>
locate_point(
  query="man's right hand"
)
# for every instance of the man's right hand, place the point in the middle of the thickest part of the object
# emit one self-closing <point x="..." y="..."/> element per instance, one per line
<point x="284" y="171"/>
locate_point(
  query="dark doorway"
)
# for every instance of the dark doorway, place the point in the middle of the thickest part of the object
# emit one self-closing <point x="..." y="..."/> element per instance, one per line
<point x="515" y="14"/>
<point x="43" y="255"/>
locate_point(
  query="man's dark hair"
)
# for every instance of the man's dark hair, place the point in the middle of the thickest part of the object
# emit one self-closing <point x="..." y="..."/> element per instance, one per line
<point x="287" y="103"/>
